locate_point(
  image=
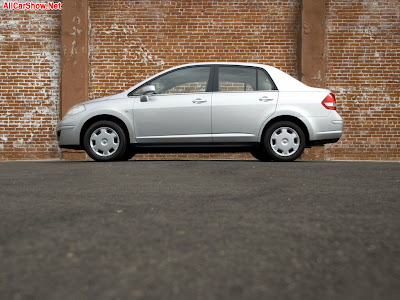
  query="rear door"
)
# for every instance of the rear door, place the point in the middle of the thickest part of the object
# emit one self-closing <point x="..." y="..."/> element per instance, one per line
<point x="243" y="99"/>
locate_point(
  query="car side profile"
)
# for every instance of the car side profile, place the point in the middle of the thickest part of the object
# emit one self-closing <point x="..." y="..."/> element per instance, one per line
<point x="206" y="107"/>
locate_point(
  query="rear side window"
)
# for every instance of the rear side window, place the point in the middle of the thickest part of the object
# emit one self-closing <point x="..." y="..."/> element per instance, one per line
<point x="264" y="82"/>
<point x="242" y="79"/>
<point x="237" y="79"/>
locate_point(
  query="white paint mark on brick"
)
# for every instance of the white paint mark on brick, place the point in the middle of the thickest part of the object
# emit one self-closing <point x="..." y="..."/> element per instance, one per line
<point x="76" y="32"/>
<point x="160" y="62"/>
<point x="146" y="56"/>
<point x="76" y="19"/>
<point x="73" y="49"/>
<point x="15" y="36"/>
<point x="4" y="138"/>
<point x="13" y="23"/>
<point x="19" y="143"/>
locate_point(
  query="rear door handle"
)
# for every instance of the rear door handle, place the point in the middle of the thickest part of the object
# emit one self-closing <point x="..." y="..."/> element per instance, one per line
<point x="265" y="99"/>
<point x="199" y="100"/>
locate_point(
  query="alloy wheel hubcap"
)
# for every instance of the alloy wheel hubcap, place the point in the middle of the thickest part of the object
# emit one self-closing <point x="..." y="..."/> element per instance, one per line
<point x="285" y="141"/>
<point x="104" y="141"/>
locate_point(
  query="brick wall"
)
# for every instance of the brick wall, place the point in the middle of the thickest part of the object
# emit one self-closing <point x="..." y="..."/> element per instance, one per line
<point x="363" y="69"/>
<point x="131" y="40"/>
<point x="29" y="83"/>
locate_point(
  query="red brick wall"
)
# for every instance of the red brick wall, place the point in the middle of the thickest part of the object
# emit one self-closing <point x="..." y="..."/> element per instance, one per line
<point x="131" y="40"/>
<point x="29" y="83"/>
<point x="363" y="69"/>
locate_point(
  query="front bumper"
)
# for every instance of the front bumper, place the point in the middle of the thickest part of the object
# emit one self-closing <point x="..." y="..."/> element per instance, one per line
<point x="67" y="135"/>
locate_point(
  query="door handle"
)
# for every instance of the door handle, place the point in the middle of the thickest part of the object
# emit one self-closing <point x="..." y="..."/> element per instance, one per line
<point x="265" y="99"/>
<point x="199" y="100"/>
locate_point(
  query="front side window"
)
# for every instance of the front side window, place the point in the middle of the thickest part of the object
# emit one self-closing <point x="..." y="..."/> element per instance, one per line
<point x="187" y="80"/>
<point x="242" y="79"/>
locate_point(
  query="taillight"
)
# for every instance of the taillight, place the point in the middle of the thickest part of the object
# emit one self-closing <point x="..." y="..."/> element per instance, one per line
<point x="329" y="102"/>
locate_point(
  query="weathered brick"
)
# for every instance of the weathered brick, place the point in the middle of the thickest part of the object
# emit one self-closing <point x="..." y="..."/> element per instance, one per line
<point x="30" y="83"/>
<point x="363" y="63"/>
<point x="132" y="40"/>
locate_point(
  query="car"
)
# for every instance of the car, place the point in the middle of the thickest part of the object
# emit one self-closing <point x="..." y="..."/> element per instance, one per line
<point x="206" y="107"/>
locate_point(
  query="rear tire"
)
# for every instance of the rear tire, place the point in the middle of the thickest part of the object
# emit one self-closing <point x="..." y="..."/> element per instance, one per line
<point x="284" y="141"/>
<point x="105" y="141"/>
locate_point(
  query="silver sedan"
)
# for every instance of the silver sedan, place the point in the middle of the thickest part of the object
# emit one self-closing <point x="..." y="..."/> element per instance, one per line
<point x="206" y="107"/>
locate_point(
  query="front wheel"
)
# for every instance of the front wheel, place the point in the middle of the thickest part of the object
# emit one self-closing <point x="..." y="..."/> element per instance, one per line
<point x="284" y="141"/>
<point x="105" y="141"/>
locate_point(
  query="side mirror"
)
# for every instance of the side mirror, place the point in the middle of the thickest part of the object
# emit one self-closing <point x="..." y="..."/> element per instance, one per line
<point x="147" y="89"/>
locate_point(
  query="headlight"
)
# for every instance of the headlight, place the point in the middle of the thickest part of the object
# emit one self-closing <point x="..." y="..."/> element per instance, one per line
<point x="75" y="110"/>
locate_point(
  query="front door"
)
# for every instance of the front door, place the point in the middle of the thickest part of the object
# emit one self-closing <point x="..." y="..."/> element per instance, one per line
<point x="179" y="111"/>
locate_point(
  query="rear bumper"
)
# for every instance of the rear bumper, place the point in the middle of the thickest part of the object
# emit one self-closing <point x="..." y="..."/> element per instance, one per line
<point x="327" y="135"/>
<point x="326" y="128"/>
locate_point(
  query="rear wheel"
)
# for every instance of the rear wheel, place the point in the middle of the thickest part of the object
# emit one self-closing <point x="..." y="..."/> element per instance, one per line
<point x="284" y="141"/>
<point x="105" y="141"/>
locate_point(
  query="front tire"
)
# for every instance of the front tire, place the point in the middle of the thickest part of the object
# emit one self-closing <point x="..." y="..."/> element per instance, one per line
<point x="284" y="141"/>
<point x="105" y="141"/>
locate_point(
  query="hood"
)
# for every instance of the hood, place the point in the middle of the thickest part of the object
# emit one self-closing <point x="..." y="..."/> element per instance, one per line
<point x="111" y="97"/>
<point x="97" y="100"/>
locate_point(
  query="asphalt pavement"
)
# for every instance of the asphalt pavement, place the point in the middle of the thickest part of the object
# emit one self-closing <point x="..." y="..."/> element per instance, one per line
<point x="199" y="230"/>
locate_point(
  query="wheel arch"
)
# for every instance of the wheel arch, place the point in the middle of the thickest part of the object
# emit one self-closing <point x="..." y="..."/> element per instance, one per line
<point x="290" y="118"/>
<point x="103" y="117"/>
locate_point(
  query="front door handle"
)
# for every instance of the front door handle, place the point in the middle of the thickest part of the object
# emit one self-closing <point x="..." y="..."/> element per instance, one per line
<point x="199" y="100"/>
<point x="265" y="99"/>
